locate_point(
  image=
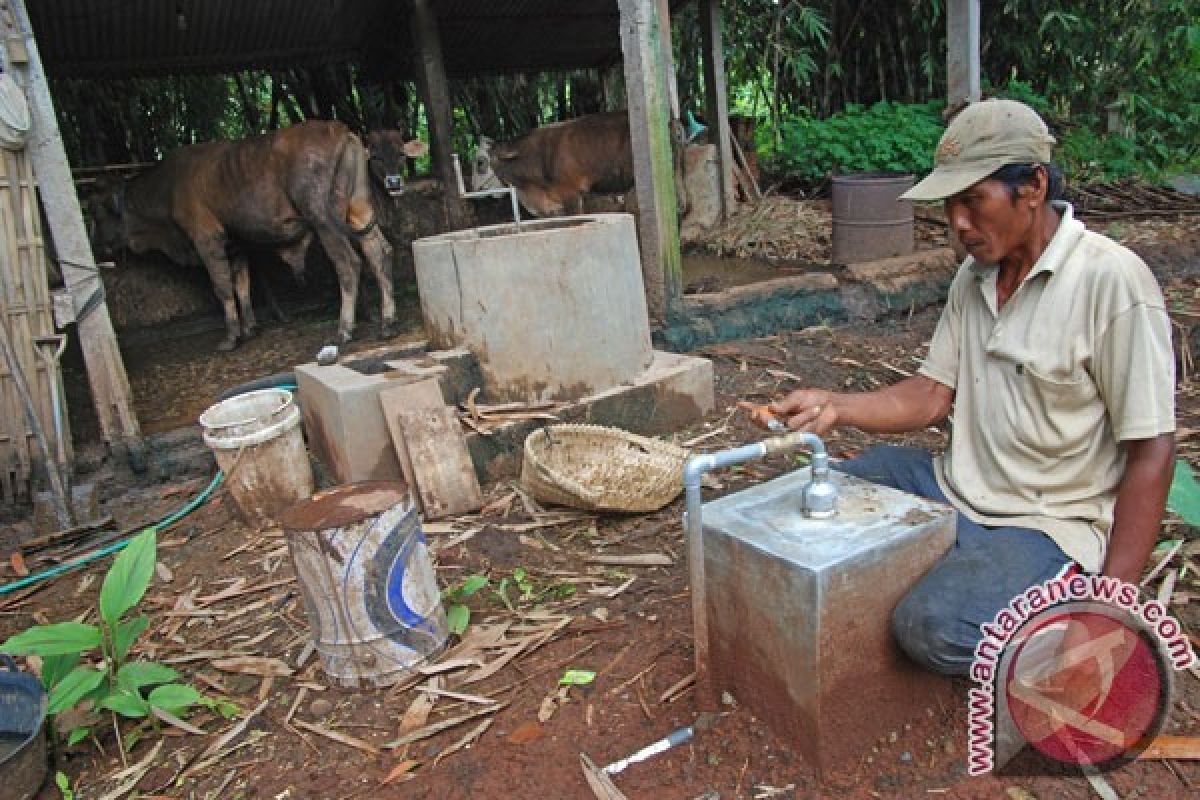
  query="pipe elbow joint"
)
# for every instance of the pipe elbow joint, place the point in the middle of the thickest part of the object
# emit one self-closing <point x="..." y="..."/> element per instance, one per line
<point x="695" y="467"/>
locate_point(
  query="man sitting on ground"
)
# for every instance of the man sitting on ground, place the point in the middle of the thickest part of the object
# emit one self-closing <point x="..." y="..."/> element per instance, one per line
<point x="1054" y="353"/>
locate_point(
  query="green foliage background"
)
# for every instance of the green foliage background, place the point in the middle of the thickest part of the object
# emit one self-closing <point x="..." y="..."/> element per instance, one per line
<point x="833" y="85"/>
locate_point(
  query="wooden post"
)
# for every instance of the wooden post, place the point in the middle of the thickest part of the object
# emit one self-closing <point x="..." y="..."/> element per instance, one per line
<point x="668" y="57"/>
<point x="106" y="372"/>
<point x="653" y="164"/>
<point x="715" y="101"/>
<point x="431" y="82"/>
<point x="962" y="52"/>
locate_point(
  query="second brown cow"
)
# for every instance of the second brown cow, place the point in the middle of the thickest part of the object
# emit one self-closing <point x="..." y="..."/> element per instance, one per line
<point x="554" y="166"/>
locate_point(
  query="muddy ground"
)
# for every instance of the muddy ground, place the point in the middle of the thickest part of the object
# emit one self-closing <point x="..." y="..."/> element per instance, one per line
<point x="225" y="592"/>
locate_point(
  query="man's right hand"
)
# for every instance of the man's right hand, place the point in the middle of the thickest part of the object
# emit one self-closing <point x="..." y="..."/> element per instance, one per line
<point x="812" y="410"/>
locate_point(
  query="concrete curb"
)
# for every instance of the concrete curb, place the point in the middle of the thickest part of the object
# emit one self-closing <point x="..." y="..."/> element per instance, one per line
<point x="860" y="292"/>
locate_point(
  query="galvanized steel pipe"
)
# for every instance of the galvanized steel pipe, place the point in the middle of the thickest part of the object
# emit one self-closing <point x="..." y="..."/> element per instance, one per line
<point x="819" y="490"/>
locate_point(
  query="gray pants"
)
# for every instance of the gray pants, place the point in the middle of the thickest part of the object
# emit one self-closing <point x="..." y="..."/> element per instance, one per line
<point x="937" y="622"/>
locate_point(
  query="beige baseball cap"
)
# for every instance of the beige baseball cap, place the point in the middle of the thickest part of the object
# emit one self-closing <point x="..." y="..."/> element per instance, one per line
<point x="984" y="137"/>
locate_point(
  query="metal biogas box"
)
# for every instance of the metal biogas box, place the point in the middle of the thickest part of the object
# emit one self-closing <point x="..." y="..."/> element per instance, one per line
<point x="799" y="610"/>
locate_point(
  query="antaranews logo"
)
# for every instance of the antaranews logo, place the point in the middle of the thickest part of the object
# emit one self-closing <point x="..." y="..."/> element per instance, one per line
<point x="1077" y="668"/>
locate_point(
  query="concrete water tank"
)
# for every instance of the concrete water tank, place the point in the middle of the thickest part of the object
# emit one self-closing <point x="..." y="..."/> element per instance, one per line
<point x="555" y="311"/>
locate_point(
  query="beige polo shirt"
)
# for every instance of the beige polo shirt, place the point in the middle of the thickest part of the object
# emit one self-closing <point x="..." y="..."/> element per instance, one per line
<point x="1077" y="361"/>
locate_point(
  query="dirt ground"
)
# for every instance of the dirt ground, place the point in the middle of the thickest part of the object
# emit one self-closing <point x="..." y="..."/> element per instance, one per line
<point x="225" y="591"/>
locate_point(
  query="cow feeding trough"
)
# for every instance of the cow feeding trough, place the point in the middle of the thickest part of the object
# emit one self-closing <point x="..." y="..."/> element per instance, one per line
<point x="555" y="311"/>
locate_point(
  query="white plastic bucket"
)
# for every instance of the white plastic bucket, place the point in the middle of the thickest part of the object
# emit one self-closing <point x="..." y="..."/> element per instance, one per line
<point x="368" y="583"/>
<point x="258" y="444"/>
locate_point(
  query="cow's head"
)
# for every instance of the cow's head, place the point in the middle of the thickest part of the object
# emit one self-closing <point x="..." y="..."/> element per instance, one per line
<point x="389" y="153"/>
<point x="483" y="176"/>
<point x="103" y="205"/>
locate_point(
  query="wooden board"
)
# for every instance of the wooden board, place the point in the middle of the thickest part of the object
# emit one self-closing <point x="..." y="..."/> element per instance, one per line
<point x="446" y="481"/>
<point x="431" y="449"/>
<point x="425" y="393"/>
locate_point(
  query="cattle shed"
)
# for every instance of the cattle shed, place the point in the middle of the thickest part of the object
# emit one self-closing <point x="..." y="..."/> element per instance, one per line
<point x="423" y="40"/>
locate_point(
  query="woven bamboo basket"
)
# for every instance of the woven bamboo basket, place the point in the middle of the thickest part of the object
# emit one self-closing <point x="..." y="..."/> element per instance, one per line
<point x="601" y="469"/>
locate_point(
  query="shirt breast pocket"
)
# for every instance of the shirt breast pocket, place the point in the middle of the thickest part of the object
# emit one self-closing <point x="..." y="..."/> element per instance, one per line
<point x="1062" y="412"/>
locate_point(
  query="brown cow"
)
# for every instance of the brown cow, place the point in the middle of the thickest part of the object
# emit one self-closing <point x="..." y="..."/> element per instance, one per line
<point x="552" y="167"/>
<point x="278" y="190"/>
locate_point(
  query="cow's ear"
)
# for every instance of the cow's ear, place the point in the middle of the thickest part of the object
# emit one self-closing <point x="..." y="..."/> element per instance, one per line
<point x="504" y="153"/>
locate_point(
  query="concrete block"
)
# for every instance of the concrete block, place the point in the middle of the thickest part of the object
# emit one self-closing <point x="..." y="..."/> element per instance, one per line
<point x="349" y="436"/>
<point x="673" y="392"/>
<point x="799" y="610"/>
<point x="344" y="422"/>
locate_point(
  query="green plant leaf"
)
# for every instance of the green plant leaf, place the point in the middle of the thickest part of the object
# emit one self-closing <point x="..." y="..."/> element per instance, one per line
<point x="126" y="633"/>
<point x="1184" y="498"/>
<point x="225" y="708"/>
<point x="132" y="677"/>
<point x="174" y="696"/>
<point x="77" y="735"/>
<point x="473" y="584"/>
<point x="125" y="704"/>
<point x="577" y="677"/>
<point x="64" y="785"/>
<point x="131" y="738"/>
<point x="128" y="577"/>
<point x="457" y="617"/>
<point x="80" y="682"/>
<point x="55" y="668"/>
<point x="61" y="638"/>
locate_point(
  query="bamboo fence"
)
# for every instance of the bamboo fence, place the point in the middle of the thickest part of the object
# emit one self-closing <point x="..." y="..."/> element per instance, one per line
<point x="26" y="312"/>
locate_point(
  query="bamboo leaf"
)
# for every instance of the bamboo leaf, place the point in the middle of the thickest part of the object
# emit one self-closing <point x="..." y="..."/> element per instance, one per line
<point x="125" y="704"/>
<point x="61" y="638"/>
<point x="126" y="633"/>
<point x="174" y="696"/>
<point x="128" y="577"/>
<point x="132" y="677"/>
<point x="74" y="687"/>
<point x="55" y="668"/>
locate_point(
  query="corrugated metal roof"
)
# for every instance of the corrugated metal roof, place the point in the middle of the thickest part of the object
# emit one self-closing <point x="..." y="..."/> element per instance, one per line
<point x="128" y="38"/>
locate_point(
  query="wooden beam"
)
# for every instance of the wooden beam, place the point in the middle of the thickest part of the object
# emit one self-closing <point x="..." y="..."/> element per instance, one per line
<point x="435" y="93"/>
<point x="106" y="372"/>
<point x="668" y="57"/>
<point x="716" y="105"/>
<point x="962" y="52"/>
<point x="653" y="163"/>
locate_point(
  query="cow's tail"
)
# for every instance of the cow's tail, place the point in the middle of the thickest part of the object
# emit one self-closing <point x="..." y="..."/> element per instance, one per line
<point x="350" y="194"/>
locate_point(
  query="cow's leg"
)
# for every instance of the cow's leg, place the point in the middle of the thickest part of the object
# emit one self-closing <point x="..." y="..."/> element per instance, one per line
<point x="347" y="265"/>
<point x="269" y="297"/>
<point x="539" y="202"/>
<point x="378" y="253"/>
<point x="222" y="280"/>
<point x="211" y="248"/>
<point x="294" y="255"/>
<point x="241" y="286"/>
